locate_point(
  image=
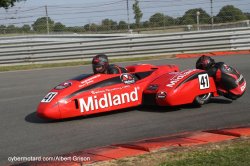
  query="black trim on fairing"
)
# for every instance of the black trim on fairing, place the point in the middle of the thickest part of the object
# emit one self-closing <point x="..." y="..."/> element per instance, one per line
<point x="149" y="99"/>
<point x="76" y="104"/>
<point x="81" y="77"/>
<point x="192" y="77"/>
<point x="141" y="75"/>
<point x="111" y="81"/>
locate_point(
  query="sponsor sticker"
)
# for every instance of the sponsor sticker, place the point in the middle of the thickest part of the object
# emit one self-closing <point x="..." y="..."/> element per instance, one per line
<point x="152" y="87"/>
<point x="107" y="100"/>
<point x="227" y="68"/>
<point x="63" y="85"/>
<point x="178" y="77"/>
<point x="110" y="90"/>
<point x="49" y="97"/>
<point x="243" y="87"/>
<point x="127" y="78"/>
<point x="162" y="95"/>
<point x="89" y="80"/>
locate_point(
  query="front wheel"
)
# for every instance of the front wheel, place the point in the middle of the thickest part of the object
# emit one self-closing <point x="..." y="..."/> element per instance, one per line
<point x="202" y="99"/>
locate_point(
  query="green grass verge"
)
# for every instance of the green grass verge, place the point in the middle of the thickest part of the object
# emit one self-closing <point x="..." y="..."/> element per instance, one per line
<point x="40" y="66"/>
<point x="238" y="154"/>
<point x="76" y="63"/>
<point x="227" y="153"/>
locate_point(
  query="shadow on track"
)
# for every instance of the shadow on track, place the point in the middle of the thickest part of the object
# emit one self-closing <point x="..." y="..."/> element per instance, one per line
<point x="33" y="118"/>
<point x="164" y="109"/>
<point x="220" y="101"/>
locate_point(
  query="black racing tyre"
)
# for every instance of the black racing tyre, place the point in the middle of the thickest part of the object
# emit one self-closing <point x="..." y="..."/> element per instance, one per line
<point x="202" y="99"/>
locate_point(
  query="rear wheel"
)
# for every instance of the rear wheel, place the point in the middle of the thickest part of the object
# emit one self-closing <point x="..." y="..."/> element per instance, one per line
<point x="202" y="99"/>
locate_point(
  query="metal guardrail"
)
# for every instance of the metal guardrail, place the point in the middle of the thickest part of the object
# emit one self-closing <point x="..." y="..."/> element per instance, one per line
<point x="45" y="49"/>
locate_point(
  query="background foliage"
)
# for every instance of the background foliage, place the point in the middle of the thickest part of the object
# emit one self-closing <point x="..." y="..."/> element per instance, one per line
<point x="227" y="15"/>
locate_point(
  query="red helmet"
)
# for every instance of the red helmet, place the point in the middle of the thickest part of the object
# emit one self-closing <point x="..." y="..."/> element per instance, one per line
<point x="100" y="63"/>
<point x="204" y="62"/>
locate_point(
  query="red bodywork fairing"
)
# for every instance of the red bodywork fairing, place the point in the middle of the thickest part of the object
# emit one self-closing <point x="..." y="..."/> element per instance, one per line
<point x="90" y="94"/>
<point x="177" y="88"/>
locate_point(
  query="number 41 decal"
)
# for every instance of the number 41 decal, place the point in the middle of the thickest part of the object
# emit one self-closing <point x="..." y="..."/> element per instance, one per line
<point x="204" y="81"/>
<point x="49" y="97"/>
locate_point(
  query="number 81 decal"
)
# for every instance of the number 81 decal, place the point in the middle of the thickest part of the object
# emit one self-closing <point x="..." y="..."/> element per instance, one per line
<point x="204" y="81"/>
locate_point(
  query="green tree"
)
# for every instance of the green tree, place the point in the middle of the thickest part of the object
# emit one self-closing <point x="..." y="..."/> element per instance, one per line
<point x="87" y="27"/>
<point x="108" y="24"/>
<point x="230" y="13"/>
<point x="59" y="27"/>
<point x="26" y="28"/>
<point x="91" y="27"/>
<point x="160" y="20"/>
<point x="40" y="25"/>
<point x="138" y="13"/>
<point x="247" y="15"/>
<point x="133" y="26"/>
<point x="177" y="20"/>
<point x="2" y="29"/>
<point x="122" y="25"/>
<point x="11" y="29"/>
<point x="75" y="29"/>
<point x="157" y="19"/>
<point x="190" y="17"/>
<point x="8" y="3"/>
<point x="146" y="24"/>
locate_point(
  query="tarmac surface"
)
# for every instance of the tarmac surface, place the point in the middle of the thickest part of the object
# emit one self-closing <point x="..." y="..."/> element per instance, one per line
<point x="23" y="134"/>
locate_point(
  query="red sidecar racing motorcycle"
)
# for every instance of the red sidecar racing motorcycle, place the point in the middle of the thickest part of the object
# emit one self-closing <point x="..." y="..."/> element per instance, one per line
<point x="162" y="85"/>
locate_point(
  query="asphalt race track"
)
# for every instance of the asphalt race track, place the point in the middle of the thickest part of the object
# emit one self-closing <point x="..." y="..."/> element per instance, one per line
<point x="23" y="134"/>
